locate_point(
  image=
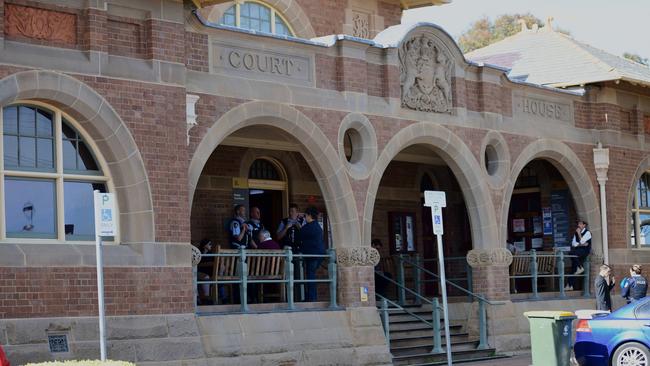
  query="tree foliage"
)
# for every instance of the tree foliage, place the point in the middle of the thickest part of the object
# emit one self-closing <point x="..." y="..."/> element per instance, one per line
<point x="484" y="32"/>
<point x="636" y="58"/>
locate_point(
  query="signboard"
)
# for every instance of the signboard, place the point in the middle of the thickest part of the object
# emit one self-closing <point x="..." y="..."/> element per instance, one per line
<point x="363" y="292"/>
<point x="410" y="242"/>
<point x="547" y="219"/>
<point x="105" y="214"/>
<point x="436" y="200"/>
<point x="560" y="212"/>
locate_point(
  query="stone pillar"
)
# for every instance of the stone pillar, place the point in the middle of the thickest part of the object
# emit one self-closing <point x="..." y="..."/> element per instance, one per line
<point x="490" y="272"/>
<point x="601" y="164"/>
<point x="356" y="269"/>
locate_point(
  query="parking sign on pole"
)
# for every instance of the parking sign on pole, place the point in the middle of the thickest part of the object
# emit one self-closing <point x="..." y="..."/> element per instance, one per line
<point x="436" y="200"/>
<point x="104" y="226"/>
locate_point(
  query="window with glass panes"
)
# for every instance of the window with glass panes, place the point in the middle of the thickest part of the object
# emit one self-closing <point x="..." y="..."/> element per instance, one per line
<point x="48" y="175"/>
<point x="640" y="215"/>
<point x="256" y="16"/>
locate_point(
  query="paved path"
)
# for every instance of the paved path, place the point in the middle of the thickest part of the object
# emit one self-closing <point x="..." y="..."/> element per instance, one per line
<point x="518" y="360"/>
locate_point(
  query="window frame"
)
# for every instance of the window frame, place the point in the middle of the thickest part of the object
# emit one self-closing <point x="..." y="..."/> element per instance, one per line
<point x="275" y="14"/>
<point x="636" y="211"/>
<point x="59" y="175"/>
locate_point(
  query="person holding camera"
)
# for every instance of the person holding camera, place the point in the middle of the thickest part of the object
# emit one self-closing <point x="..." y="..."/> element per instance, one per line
<point x="289" y="228"/>
<point x="604" y="284"/>
<point x="580" y="250"/>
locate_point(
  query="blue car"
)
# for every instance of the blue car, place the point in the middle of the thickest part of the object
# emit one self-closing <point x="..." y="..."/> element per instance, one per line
<point x="621" y="338"/>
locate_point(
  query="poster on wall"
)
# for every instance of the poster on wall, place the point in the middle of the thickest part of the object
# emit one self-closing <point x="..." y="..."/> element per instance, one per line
<point x="537" y="225"/>
<point x="537" y="243"/>
<point x="397" y="232"/>
<point x="410" y="242"/>
<point x="520" y="245"/>
<point x="240" y="197"/>
<point x="547" y="218"/>
<point x="519" y="225"/>
<point x="560" y="212"/>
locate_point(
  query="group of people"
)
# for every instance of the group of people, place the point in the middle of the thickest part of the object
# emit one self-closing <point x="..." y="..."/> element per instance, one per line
<point x="299" y="231"/>
<point x="633" y="288"/>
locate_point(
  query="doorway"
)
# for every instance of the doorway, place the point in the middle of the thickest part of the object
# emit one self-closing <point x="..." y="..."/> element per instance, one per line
<point x="270" y="203"/>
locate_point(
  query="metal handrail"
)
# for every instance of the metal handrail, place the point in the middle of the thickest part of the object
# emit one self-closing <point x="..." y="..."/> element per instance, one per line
<point x="534" y="269"/>
<point x="469" y="293"/>
<point x="483" y="344"/>
<point x="288" y="281"/>
<point x="435" y="315"/>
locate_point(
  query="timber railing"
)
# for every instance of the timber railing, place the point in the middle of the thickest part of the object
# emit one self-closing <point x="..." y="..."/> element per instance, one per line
<point x="240" y="268"/>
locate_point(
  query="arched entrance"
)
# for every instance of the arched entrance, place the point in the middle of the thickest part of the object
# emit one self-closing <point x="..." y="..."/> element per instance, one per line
<point x="422" y="157"/>
<point x="308" y="140"/>
<point x="570" y="170"/>
<point x="548" y="191"/>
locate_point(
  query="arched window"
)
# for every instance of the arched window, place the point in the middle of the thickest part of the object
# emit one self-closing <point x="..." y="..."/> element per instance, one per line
<point x="640" y="216"/>
<point x="263" y="169"/>
<point x="256" y="16"/>
<point x="48" y="175"/>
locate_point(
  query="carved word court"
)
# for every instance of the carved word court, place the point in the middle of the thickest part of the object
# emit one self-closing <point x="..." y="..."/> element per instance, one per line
<point x="262" y="63"/>
<point x="265" y="65"/>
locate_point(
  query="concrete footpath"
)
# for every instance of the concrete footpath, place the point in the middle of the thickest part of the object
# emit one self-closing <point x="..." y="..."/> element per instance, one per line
<point x="517" y="360"/>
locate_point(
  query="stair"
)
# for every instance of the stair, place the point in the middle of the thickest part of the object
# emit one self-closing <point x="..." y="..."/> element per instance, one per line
<point x="411" y="340"/>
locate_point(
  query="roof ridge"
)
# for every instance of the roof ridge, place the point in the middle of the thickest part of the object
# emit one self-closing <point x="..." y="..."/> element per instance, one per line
<point x="497" y="42"/>
<point x="634" y="63"/>
<point x="598" y="62"/>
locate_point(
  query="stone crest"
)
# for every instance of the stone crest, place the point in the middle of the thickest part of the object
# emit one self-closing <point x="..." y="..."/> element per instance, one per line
<point x="425" y="75"/>
<point x="500" y="257"/>
<point x="196" y="256"/>
<point x="357" y="256"/>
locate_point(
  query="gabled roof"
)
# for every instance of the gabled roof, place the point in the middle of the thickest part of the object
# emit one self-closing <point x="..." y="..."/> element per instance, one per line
<point x="546" y="57"/>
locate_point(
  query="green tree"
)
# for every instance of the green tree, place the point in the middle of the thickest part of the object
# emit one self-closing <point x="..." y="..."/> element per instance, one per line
<point x="484" y="32"/>
<point x="636" y="58"/>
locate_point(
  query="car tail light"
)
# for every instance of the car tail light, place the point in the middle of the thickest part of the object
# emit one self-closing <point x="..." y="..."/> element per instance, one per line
<point x="583" y="326"/>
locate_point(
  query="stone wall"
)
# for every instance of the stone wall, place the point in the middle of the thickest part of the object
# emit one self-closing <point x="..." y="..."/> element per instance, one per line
<point x="343" y="337"/>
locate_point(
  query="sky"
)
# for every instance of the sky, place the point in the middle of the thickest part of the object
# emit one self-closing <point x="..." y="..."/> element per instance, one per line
<point x="615" y="26"/>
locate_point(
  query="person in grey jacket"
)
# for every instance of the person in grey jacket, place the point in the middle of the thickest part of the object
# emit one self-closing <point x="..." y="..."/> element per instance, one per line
<point x="604" y="284"/>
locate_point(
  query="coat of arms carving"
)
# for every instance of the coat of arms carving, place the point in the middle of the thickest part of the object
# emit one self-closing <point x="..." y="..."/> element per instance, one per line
<point x="425" y="75"/>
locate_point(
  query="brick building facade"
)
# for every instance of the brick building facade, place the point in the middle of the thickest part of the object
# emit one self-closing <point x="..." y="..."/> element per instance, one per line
<point x="174" y="104"/>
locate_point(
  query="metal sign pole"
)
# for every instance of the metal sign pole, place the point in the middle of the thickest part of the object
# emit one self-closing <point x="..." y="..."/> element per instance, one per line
<point x="436" y="200"/>
<point x="104" y="226"/>
<point x="100" y="297"/>
<point x="445" y="308"/>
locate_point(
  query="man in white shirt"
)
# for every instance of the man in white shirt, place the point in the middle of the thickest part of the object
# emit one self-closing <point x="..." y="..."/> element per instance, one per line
<point x="580" y="250"/>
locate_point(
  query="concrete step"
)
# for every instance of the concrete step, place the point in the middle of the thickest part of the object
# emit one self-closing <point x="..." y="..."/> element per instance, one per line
<point x="441" y="358"/>
<point x="426" y="347"/>
<point x="494" y="357"/>
<point x="404" y="317"/>
<point x="395" y="327"/>
<point x="421" y="333"/>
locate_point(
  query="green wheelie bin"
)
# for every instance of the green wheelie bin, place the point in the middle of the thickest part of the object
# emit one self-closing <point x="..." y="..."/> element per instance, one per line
<point x="550" y="337"/>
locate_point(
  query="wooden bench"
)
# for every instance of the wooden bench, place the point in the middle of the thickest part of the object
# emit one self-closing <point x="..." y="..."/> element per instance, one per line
<point x="521" y="265"/>
<point x="269" y="267"/>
